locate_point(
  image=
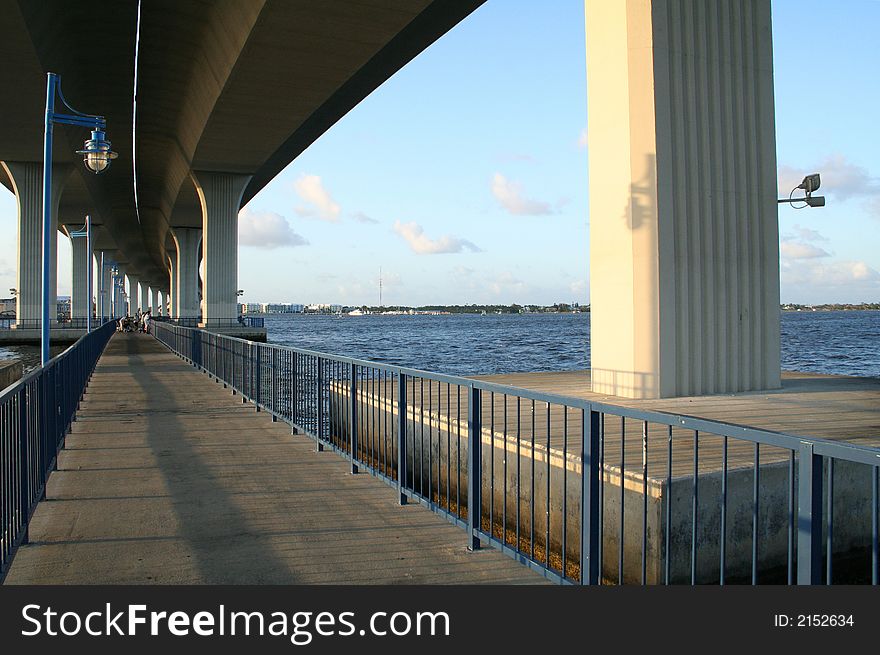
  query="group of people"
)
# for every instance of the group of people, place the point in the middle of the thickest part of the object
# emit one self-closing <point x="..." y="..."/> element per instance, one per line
<point x="140" y="322"/>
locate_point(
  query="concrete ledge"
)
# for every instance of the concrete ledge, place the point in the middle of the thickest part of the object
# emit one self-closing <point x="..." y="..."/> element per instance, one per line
<point x="10" y="372"/>
<point x="543" y="470"/>
<point x="243" y="332"/>
<point x="28" y="336"/>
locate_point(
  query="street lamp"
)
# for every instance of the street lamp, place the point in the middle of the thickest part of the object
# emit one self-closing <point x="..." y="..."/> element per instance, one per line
<point x="118" y="285"/>
<point x="97" y="157"/>
<point x="809" y="184"/>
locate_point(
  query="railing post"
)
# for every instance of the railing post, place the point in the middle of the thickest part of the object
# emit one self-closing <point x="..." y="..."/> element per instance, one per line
<point x="247" y="372"/>
<point x="294" y="400"/>
<point x="258" y="380"/>
<point x="319" y="414"/>
<point x="225" y="358"/>
<point x="590" y="529"/>
<point x="809" y="569"/>
<point x="401" y="438"/>
<point x="353" y="419"/>
<point x="23" y="450"/>
<point x="275" y="358"/>
<point x="475" y="465"/>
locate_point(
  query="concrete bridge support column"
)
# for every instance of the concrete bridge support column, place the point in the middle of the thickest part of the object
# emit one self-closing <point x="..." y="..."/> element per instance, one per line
<point x="186" y="283"/>
<point x="171" y="294"/>
<point x="80" y="303"/>
<point x="104" y="284"/>
<point x="220" y="197"/>
<point x="145" y="296"/>
<point x="134" y="292"/>
<point x="154" y="301"/>
<point x="27" y="184"/>
<point x="121" y="307"/>
<point x="684" y="250"/>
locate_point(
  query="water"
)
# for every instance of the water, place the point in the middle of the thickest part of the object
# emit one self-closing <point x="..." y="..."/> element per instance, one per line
<point x="843" y="343"/>
<point x="458" y="344"/>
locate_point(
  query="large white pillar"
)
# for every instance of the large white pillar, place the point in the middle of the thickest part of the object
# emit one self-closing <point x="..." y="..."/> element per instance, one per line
<point x="27" y="183"/>
<point x="154" y="301"/>
<point x="134" y="291"/>
<point x="171" y="294"/>
<point x="103" y="289"/>
<point x="81" y="264"/>
<point x="186" y="284"/>
<point x="220" y="197"/>
<point x="684" y="255"/>
<point x="144" y="296"/>
<point x="119" y="303"/>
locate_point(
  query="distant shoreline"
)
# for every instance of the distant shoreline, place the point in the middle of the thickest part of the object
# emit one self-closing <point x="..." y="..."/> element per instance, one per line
<point x="835" y="307"/>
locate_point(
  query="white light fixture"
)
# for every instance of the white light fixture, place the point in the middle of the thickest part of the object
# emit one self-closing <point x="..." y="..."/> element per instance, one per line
<point x="96" y="152"/>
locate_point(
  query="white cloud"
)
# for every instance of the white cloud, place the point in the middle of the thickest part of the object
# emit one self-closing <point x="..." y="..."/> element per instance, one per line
<point x="361" y="217"/>
<point x="506" y="284"/>
<point x="583" y="139"/>
<point x="578" y="288"/>
<point x="311" y="190"/>
<point x="420" y="243"/>
<point x="266" y="230"/>
<point x="806" y="234"/>
<point x="831" y="274"/>
<point x="798" y="250"/>
<point x="510" y="196"/>
<point x="843" y="179"/>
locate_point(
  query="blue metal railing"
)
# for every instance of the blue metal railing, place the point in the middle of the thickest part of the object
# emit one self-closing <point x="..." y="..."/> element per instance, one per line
<point x="10" y="323"/>
<point x="35" y="415"/>
<point x="581" y="491"/>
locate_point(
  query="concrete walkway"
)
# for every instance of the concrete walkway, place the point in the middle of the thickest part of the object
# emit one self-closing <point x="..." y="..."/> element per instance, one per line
<point x="168" y="478"/>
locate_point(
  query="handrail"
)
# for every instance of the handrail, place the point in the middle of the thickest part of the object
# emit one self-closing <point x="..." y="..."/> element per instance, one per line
<point x="35" y="416"/>
<point x="380" y="417"/>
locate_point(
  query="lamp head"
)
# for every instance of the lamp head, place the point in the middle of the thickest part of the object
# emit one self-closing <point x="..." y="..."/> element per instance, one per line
<point x="96" y="152"/>
<point x="810" y="183"/>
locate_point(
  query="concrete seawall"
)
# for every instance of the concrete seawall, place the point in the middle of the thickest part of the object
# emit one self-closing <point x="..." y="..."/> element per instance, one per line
<point x="534" y="472"/>
<point x="10" y="373"/>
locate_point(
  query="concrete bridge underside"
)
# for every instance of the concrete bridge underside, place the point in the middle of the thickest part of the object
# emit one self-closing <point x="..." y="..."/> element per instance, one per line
<point x="167" y="478"/>
<point x="684" y="253"/>
<point x="228" y="94"/>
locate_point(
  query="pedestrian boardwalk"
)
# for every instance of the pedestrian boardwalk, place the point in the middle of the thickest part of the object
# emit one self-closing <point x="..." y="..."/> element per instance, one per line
<point x="168" y="478"/>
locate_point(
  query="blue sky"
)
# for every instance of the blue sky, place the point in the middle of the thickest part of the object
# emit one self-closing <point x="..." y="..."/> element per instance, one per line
<point x="465" y="177"/>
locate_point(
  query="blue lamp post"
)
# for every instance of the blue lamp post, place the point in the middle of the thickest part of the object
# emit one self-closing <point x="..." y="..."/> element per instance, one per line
<point x="96" y="156"/>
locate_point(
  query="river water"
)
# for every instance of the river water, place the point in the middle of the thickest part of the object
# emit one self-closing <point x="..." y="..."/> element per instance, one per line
<point x="845" y="343"/>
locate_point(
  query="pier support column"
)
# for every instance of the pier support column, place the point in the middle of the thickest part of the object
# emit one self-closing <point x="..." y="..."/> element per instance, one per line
<point x="103" y="288"/>
<point x="186" y="283"/>
<point x="27" y="184"/>
<point x="119" y="305"/>
<point x="154" y="301"/>
<point x="80" y="303"/>
<point x="171" y="294"/>
<point x="684" y="245"/>
<point x="134" y="291"/>
<point x="144" y="296"/>
<point x="220" y="197"/>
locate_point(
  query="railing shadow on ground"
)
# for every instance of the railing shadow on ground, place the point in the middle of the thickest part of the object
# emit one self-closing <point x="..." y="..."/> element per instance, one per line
<point x="538" y="476"/>
<point x="197" y="509"/>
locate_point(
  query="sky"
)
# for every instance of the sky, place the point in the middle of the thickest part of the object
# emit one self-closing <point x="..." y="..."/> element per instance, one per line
<point x="464" y="176"/>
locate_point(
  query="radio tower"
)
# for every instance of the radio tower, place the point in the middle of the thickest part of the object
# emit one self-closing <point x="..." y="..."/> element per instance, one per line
<point x="380" y="286"/>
